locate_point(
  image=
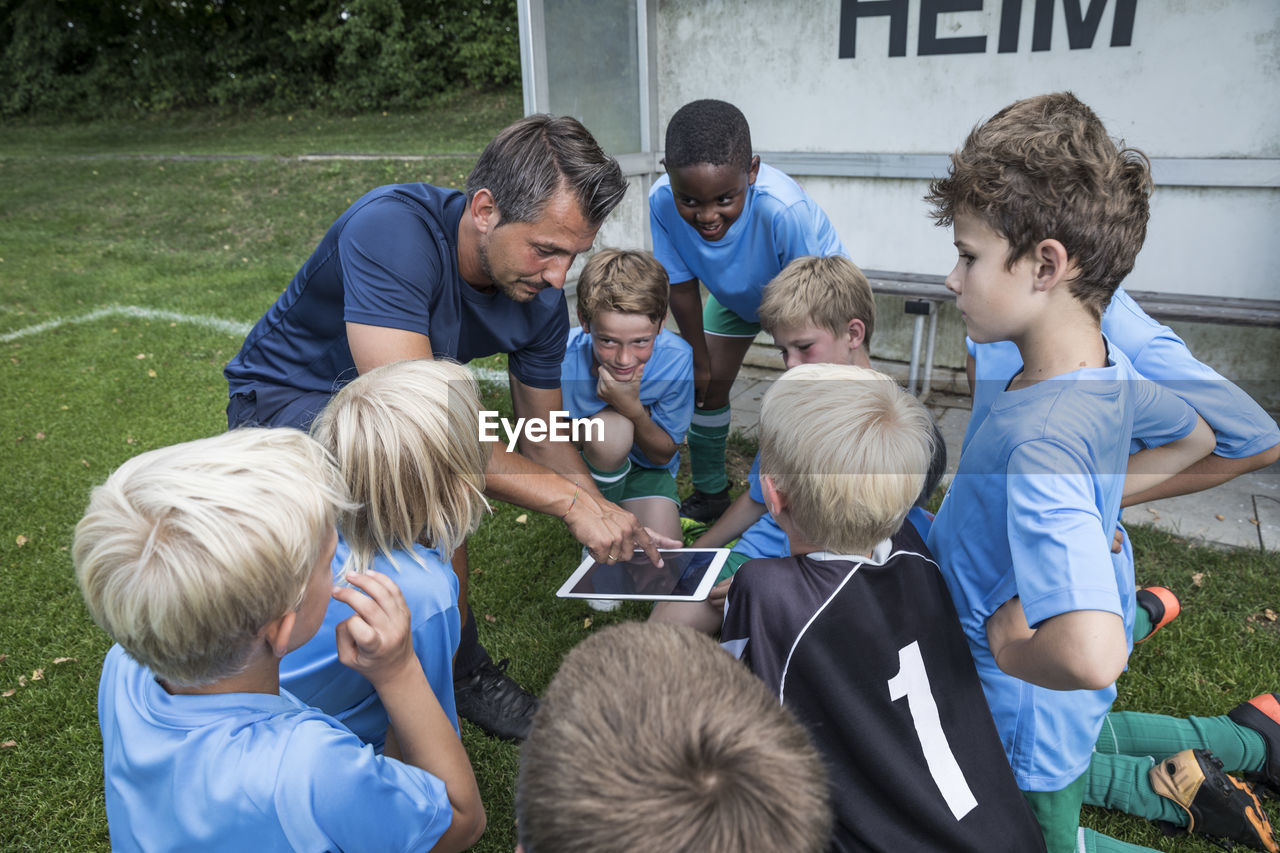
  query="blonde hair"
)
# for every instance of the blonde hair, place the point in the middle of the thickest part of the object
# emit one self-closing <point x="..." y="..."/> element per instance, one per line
<point x="624" y="756"/>
<point x="848" y="449"/>
<point x="406" y="437"/>
<point x="185" y="553"/>
<point x="629" y="282"/>
<point x="825" y="292"/>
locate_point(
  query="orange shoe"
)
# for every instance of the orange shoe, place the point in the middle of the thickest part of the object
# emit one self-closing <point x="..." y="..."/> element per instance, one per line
<point x="1161" y="605"/>
<point x="1262" y="714"/>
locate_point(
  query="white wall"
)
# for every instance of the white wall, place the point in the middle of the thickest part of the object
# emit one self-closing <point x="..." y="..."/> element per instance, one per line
<point x="1200" y="79"/>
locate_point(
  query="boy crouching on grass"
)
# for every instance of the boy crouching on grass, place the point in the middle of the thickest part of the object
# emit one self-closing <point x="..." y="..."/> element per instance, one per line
<point x="207" y="562"/>
<point x="621" y="367"/>
<point x="855" y="632"/>
<point x="1048" y="215"/>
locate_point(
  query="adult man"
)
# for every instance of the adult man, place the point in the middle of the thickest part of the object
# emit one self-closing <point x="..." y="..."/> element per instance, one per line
<point x="416" y="271"/>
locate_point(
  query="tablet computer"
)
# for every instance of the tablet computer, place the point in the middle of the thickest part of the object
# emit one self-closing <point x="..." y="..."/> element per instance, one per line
<point x="687" y="574"/>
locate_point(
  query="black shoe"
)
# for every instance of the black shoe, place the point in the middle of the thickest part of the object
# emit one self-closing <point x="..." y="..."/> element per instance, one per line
<point x="705" y="507"/>
<point x="495" y="702"/>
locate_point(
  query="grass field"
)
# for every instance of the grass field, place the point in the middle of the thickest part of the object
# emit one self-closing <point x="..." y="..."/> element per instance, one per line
<point x="133" y="258"/>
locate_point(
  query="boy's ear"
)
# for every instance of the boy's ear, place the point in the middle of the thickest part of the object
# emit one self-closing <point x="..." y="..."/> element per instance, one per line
<point x="277" y="632"/>
<point x="774" y="500"/>
<point x="754" y="170"/>
<point x="484" y="211"/>
<point x="582" y="321"/>
<point x="1052" y="265"/>
<point x="857" y="333"/>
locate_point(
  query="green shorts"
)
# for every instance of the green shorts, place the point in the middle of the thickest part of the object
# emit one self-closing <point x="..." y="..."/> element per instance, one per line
<point x="731" y="565"/>
<point x="650" y="483"/>
<point x="718" y="320"/>
<point x="1059" y="814"/>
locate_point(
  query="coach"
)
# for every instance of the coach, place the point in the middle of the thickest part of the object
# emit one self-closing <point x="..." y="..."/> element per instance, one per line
<point x="417" y="271"/>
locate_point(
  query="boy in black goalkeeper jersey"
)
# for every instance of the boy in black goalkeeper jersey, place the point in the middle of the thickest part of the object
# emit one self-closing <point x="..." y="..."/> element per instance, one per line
<point x="856" y="632"/>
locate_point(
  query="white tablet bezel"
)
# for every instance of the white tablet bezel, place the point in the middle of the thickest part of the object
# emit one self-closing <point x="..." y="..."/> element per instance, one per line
<point x="719" y="557"/>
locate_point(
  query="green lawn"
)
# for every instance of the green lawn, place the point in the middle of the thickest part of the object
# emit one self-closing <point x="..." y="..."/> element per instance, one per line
<point x="128" y="278"/>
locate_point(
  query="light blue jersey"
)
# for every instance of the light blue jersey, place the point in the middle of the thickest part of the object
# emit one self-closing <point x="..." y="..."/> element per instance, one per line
<point x="1030" y="514"/>
<point x="314" y="674"/>
<point x="666" y="388"/>
<point x="778" y="224"/>
<point x="250" y="771"/>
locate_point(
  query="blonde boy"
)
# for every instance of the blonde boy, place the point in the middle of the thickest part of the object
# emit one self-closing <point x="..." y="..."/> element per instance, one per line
<point x="855" y="631"/>
<point x="405" y="437"/>
<point x="625" y="758"/>
<point x="207" y="562"/>
<point x="624" y="370"/>
<point x="1048" y="215"/>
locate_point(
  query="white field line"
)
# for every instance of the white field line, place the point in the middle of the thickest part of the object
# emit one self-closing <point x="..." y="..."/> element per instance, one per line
<point x="218" y="324"/>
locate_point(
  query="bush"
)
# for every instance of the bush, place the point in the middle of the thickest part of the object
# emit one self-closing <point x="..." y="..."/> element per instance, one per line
<point x="78" y="58"/>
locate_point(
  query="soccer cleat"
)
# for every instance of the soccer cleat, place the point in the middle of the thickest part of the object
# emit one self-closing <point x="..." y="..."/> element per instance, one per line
<point x="1161" y="605"/>
<point x="1262" y="714"/>
<point x="704" y="506"/>
<point x="690" y="530"/>
<point x="1217" y="805"/>
<point x="495" y="702"/>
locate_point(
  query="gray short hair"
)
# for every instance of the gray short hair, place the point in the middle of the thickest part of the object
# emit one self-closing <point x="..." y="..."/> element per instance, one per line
<point x="530" y="160"/>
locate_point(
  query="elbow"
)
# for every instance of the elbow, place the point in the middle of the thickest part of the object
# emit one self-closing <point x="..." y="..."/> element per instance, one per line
<point x="1099" y="667"/>
<point x="477" y="827"/>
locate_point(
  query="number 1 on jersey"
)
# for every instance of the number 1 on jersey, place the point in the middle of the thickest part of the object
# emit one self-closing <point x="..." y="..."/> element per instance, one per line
<point x="913" y="682"/>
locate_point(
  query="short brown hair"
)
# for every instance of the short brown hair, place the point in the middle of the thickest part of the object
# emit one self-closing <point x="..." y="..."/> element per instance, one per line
<point x="1043" y="168"/>
<point x="626" y="755"/>
<point x="630" y="282"/>
<point x="826" y="292"/>
<point x="533" y="158"/>
<point x="848" y="449"/>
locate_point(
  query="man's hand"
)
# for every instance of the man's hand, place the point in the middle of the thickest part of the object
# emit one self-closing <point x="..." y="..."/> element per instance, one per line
<point x="623" y="396"/>
<point x="611" y="533"/>
<point x="375" y="642"/>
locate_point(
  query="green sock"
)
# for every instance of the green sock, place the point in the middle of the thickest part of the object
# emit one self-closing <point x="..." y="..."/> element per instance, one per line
<point x="1123" y="783"/>
<point x="1096" y="842"/>
<point x="1159" y="736"/>
<point x="707" y="435"/>
<point x="1142" y="625"/>
<point x="612" y="484"/>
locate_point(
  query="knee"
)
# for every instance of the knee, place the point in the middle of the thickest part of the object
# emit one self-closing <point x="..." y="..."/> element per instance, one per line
<point x="607" y="446"/>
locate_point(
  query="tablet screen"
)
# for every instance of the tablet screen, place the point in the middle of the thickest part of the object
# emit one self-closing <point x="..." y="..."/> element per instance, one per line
<point x="681" y="574"/>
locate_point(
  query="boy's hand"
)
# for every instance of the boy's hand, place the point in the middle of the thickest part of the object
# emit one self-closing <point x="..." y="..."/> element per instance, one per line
<point x="1117" y="540"/>
<point x="719" y="592"/>
<point x="375" y="642"/>
<point x="623" y="396"/>
<point x="1008" y="625"/>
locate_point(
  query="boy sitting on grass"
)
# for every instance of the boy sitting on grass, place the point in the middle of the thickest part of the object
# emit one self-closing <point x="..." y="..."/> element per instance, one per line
<point x="855" y="632"/>
<point x="721" y="217"/>
<point x="406" y="440"/>
<point x="207" y="562"/>
<point x="622" y="367"/>
<point x="625" y="758"/>
<point x="1048" y="216"/>
<point x="819" y="311"/>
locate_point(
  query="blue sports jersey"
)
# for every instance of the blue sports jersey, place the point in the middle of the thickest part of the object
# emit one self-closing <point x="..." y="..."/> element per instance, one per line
<point x="666" y="388"/>
<point x="1030" y="513"/>
<point x="250" y="771"/>
<point x="391" y="260"/>
<point x="314" y="674"/>
<point x="779" y="223"/>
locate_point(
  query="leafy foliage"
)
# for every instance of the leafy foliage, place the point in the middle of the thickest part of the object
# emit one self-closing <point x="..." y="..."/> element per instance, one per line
<point x="82" y="58"/>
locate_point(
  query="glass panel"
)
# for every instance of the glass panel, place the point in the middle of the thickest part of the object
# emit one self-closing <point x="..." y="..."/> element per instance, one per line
<point x="593" y="68"/>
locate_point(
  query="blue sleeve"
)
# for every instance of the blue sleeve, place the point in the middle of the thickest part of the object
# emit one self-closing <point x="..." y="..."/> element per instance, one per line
<point x="1241" y="427"/>
<point x="1159" y="415"/>
<point x="753" y="481"/>
<point x="538" y="363"/>
<point x="357" y="800"/>
<point x="1060" y="546"/>
<point x="673" y="410"/>
<point x="390" y="267"/>
<point x="662" y="215"/>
